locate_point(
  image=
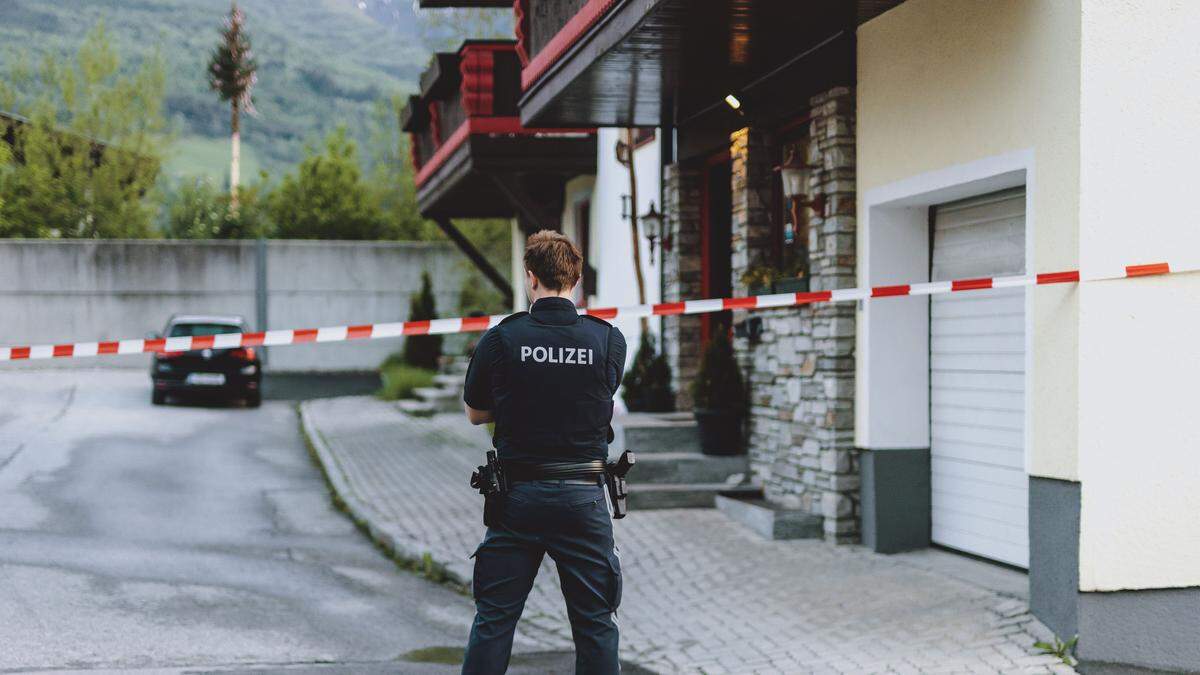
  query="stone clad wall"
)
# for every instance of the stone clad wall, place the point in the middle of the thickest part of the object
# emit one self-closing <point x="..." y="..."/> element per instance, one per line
<point x="801" y="368"/>
<point x="681" y="271"/>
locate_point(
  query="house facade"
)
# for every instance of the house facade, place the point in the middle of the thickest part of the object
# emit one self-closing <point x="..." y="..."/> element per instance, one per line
<point x="1002" y="138"/>
<point x="881" y="142"/>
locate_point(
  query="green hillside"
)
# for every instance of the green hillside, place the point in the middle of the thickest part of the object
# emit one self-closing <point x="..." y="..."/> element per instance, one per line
<point x="321" y="63"/>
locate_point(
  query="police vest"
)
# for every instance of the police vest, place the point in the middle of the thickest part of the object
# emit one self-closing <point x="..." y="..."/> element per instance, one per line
<point x="553" y="397"/>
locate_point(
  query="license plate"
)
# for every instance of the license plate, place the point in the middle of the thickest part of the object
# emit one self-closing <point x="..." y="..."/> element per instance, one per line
<point x="206" y="379"/>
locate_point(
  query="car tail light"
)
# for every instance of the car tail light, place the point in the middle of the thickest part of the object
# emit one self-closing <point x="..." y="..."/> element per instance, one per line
<point x="243" y="353"/>
<point x="165" y="356"/>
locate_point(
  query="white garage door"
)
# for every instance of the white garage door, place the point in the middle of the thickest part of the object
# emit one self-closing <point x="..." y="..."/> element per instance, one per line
<point x="977" y="381"/>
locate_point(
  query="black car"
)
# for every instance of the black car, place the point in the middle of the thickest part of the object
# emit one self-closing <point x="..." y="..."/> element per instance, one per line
<point x="234" y="373"/>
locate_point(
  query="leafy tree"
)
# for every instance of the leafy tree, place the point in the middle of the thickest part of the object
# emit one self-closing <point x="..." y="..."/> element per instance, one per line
<point x="200" y="210"/>
<point x="326" y="197"/>
<point x="232" y="72"/>
<point x="87" y="159"/>
<point x="5" y="158"/>
<point x="423" y="351"/>
<point x="647" y="385"/>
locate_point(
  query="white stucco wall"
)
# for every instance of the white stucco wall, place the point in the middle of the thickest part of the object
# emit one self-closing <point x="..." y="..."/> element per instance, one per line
<point x="611" y="235"/>
<point x="1139" y="361"/>
<point x="956" y="98"/>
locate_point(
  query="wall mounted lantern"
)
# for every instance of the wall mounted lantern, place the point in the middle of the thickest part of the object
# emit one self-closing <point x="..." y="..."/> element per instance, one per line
<point x="794" y="176"/>
<point x="795" y="173"/>
<point x="652" y="224"/>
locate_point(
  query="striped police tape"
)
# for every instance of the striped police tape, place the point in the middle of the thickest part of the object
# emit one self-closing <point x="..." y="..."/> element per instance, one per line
<point x="474" y="324"/>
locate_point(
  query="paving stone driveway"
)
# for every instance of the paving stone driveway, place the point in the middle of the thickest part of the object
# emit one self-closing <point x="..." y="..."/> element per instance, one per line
<point x="702" y="594"/>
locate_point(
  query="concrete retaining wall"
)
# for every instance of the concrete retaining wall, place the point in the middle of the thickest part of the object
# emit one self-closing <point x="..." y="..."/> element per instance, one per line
<point x="64" y="291"/>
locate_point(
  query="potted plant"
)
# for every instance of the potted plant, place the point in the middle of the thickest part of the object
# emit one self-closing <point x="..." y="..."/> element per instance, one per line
<point x="793" y="277"/>
<point x="719" y="397"/>
<point x="647" y="385"/>
<point x="761" y="279"/>
<point x="758" y="279"/>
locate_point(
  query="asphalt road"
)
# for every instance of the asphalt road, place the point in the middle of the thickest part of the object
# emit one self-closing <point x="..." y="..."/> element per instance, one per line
<point x="192" y="538"/>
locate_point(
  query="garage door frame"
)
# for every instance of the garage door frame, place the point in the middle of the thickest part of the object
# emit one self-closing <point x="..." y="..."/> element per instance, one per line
<point x="892" y="414"/>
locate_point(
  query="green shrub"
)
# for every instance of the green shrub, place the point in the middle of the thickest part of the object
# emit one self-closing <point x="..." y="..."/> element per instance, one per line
<point x="718" y="384"/>
<point x="423" y="351"/>
<point x="326" y="196"/>
<point x="647" y="385"/>
<point x="197" y="209"/>
<point x="401" y="379"/>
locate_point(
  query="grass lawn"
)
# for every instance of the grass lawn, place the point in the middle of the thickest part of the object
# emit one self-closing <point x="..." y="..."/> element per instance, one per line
<point x="400" y="379"/>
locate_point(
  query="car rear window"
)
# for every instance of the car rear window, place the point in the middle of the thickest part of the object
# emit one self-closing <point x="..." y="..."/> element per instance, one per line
<point x="202" y="329"/>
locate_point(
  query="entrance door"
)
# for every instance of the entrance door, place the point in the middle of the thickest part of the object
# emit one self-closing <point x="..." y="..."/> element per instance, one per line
<point x="716" y="229"/>
<point x="977" y="381"/>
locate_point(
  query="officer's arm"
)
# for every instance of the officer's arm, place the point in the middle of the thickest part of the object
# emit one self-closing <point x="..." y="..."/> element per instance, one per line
<point x="477" y="391"/>
<point x="616" y="358"/>
<point x="478" y="416"/>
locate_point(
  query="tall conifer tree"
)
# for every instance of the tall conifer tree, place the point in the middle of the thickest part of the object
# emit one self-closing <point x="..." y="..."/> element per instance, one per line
<point x="232" y="73"/>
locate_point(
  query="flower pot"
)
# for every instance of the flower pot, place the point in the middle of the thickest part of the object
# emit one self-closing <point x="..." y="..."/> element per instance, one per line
<point x="720" y="431"/>
<point x="792" y="285"/>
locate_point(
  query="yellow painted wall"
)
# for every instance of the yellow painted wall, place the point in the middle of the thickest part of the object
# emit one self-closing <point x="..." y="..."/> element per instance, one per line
<point x="1139" y="347"/>
<point x="947" y="82"/>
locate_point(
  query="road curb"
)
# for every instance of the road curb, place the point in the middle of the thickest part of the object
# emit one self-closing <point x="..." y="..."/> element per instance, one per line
<point x="413" y="551"/>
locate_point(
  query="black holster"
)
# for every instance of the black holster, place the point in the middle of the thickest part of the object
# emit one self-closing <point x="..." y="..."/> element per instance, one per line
<point x="614" y="478"/>
<point x="490" y="481"/>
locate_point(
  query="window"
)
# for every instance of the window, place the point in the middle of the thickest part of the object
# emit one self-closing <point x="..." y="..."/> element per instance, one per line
<point x="643" y="136"/>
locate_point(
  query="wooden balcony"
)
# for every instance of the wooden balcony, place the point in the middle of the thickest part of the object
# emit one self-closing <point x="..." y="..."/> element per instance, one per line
<point x="472" y="156"/>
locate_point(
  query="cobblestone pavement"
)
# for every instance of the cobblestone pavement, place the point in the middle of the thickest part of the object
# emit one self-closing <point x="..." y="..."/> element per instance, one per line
<point x="702" y="594"/>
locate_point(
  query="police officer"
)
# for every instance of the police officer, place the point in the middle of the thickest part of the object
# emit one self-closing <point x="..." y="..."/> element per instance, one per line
<point x="547" y="379"/>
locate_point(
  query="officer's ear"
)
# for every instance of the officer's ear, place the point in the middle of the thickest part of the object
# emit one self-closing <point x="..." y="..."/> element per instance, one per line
<point x="532" y="279"/>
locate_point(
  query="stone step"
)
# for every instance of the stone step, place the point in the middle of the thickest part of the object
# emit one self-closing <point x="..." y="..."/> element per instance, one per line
<point x="443" y="398"/>
<point x="417" y="408"/>
<point x="658" y="432"/>
<point x="686" y="467"/>
<point x="770" y="521"/>
<point x="455" y="367"/>
<point x="448" y="380"/>
<point x="648" y="497"/>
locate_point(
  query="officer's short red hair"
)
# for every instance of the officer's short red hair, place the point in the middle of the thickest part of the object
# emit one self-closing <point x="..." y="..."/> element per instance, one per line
<point x="554" y="260"/>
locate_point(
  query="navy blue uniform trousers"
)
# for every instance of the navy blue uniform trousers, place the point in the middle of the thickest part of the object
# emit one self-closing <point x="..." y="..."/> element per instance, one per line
<point x="570" y="522"/>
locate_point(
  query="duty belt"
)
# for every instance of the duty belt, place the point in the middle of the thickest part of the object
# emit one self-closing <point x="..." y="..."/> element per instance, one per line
<point x="493" y="478"/>
<point x="517" y="472"/>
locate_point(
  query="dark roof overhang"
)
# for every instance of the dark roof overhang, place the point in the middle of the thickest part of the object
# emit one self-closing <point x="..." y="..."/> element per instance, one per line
<point x="671" y="63"/>
<point x="440" y="4"/>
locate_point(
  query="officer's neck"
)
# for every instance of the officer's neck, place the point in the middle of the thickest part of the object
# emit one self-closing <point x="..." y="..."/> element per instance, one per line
<point x="540" y="293"/>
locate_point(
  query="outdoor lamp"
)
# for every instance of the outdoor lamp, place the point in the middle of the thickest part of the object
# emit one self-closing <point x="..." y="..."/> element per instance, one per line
<point x="794" y="175"/>
<point x="652" y="221"/>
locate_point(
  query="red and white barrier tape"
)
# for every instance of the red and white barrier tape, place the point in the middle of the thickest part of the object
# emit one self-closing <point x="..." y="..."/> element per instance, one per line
<point x="474" y="324"/>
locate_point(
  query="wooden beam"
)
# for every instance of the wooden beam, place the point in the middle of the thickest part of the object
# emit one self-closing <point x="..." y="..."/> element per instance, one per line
<point x="477" y="258"/>
<point x="530" y="214"/>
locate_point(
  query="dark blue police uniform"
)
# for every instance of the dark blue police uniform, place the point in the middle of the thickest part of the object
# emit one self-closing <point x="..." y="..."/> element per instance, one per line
<point x="549" y="377"/>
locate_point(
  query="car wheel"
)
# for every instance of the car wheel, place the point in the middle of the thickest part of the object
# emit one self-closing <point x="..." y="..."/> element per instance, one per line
<point x="158" y="397"/>
<point x="253" y="399"/>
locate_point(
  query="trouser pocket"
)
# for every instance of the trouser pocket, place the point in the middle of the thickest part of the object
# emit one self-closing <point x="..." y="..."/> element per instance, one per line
<point x="615" y="583"/>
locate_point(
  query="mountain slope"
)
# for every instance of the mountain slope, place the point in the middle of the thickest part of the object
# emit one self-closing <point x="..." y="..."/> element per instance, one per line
<point x="321" y="63"/>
